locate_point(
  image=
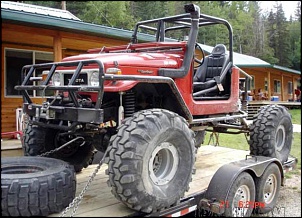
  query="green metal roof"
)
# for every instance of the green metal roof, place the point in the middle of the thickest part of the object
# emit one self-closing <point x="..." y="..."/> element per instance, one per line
<point x="56" y="20"/>
<point x="38" y="10"/>
<point x="286" y="69"/>
<point x="241" y="60"/>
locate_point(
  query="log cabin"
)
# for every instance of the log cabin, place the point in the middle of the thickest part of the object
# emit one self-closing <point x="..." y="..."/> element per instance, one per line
<point x="33" y="34"/>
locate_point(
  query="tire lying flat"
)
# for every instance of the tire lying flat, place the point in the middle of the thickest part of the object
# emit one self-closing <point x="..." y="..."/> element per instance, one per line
<point x="36" y="186"/>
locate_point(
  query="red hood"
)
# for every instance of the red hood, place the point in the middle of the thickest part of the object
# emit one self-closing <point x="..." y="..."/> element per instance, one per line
<point x="157" y="60"/>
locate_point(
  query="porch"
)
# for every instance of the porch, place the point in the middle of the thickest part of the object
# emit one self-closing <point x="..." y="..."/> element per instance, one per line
<point x="253" y="106"/>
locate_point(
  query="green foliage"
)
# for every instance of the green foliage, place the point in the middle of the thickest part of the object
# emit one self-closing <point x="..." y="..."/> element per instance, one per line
<point x="269" y="37"/>
<point x="108" y="13"/>
<point x="296" y="116"/>
<point x="296" y="148"/>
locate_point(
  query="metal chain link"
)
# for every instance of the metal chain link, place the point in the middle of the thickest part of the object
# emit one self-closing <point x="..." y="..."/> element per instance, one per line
<point x="77" y="200"/>
<point x="47" y="153"/>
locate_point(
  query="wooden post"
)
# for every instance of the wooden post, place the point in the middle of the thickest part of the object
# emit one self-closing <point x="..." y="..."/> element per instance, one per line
<point x="293" y="87"/>
<point x="57" y="48"/>
<point x="282" y="89"/>
<point x="269" y="85"/>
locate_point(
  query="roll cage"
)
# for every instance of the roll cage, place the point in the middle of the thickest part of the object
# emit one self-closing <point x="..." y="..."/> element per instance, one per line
<point x="183" y="21"/>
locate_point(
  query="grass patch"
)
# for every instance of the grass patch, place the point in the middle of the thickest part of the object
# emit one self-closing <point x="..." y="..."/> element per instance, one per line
<point x="296" y="116"/>
<point x="296" y="148"/>
<point x="236" y="141"/>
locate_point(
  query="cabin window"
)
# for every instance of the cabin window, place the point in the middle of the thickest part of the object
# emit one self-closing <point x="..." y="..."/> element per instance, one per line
<point x="15" y="59"/>
<point x="290" y="88"/>
<point x="277" y="86"/>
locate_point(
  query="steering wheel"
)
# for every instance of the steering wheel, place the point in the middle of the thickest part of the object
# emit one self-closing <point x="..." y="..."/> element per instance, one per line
<point x="199" y="62"/>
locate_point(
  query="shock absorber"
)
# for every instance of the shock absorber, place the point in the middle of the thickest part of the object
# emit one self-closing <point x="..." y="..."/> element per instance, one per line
<point x="121" y="114"/>
<point x="129" y="103"/>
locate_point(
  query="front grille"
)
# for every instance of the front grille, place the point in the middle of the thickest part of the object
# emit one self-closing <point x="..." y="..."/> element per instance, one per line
<point x="81" y="80"/>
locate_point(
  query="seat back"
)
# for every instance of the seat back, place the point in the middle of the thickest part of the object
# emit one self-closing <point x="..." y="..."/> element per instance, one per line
<point x="213" y="64"/>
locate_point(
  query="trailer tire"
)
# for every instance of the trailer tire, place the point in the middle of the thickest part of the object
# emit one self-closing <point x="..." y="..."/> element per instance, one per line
<point x="151" y="160"/>
<point x="271" y="133"/>
<point x="36" y="186"/>
<point x="268" y="187"/>
<point x="241" y="192"/>
<point x="38" y="140"/>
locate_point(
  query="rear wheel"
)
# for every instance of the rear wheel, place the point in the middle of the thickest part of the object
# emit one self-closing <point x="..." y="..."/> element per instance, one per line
<point x="199" y="138"/>
<point x="37" y="140"/>
<point x="271" y="133"/>
<point x="268" y="187"/>
<point x="151" y="160"/>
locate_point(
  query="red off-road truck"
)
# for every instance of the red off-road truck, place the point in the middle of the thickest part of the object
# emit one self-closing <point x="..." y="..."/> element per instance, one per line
<point x="148" y="106"/>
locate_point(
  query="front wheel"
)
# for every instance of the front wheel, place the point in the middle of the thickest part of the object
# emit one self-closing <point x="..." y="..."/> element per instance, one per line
<point x="37" y="140"/>
<point x="151" y="160"/>
<point x="271" y="133"/>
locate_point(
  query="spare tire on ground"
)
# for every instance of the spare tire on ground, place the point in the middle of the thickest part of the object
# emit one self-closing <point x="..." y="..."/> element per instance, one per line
<point x="36" y="186"/>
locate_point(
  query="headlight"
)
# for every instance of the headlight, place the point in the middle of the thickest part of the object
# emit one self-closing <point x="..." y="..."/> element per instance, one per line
<point x="94" y="79"/>
<point x="56" y="79"/>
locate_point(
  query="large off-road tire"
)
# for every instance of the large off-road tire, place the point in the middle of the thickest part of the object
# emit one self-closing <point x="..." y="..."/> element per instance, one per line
<point x="151" y="160"/>
<point x="38" y="140"/>
<point x="241" y="194"/>
<point x="36" y="186"/>
<point x="199" y="138"/>
<point x="268" y="187"/>
<point x="271" y="132"/>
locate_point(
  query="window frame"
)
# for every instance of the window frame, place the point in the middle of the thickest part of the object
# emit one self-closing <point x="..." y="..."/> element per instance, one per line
<point x="290" y="87"/>
<point x="33" y="53"/>
<point x="277" y="89"/>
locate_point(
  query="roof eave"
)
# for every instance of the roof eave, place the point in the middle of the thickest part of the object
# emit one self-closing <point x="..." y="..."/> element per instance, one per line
<point x="70" y="25"/>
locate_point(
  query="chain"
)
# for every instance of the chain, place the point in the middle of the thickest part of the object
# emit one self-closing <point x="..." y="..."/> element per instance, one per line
<point x="67" y="143"/>
<point x="77" y="200"/>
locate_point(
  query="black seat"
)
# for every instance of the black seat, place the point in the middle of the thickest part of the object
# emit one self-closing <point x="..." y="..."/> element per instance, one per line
<point x="209" y="74"/>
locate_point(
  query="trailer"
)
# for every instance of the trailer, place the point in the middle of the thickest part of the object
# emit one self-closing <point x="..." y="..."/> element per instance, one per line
<point x="216" y="170"/>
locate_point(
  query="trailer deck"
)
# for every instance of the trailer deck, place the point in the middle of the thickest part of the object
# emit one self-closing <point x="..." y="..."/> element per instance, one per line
<point x="98" y="201"/>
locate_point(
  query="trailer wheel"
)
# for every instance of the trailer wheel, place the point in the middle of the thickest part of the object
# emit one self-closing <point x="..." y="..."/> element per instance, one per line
<point x="36" y="186"/>
<point x="271" y="133"/>
<point x="268" y="187"/>
<point x="241" y="193"/>
<point x="151" y="160"/>
<point x="37" y="140"/>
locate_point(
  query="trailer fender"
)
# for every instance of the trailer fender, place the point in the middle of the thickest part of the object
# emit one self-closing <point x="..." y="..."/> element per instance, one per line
<point x="216" y="195"/>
